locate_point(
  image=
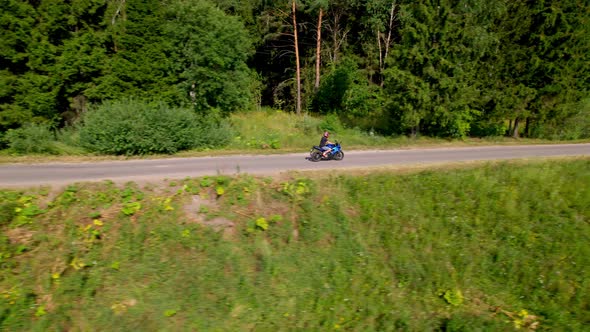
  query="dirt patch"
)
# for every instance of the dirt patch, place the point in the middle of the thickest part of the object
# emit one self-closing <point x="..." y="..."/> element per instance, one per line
<point x="194" y="211"/>
<point x="19" y="236"/>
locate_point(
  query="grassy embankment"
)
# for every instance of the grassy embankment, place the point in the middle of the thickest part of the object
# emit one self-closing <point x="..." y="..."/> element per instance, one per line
<point x="493" y="248"/>
<point x="273" y="132"/>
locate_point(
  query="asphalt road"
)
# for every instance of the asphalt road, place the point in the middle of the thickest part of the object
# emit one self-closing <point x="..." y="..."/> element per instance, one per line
<point x="27" y="175"/>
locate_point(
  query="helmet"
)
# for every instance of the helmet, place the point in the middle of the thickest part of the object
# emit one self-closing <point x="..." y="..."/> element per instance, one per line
<point x="326" y="134"/>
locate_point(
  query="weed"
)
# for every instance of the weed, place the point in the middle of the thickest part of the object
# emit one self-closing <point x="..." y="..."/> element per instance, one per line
<point x="261" y="223"/>
<point x="452" y="297"/>
<point x="131" y="208"/>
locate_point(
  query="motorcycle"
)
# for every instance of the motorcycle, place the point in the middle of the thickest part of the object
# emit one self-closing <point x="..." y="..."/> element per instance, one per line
<point x="316" y="153"/>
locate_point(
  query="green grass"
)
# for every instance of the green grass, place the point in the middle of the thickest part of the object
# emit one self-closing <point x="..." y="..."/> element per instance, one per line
<point x="271" y="132"/>
<point x="268" y="130"/>
<point x="461" y="249"/>
<point x="277" y="130"/>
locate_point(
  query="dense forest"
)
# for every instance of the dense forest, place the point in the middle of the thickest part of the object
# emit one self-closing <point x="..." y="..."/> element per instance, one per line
<point x="448" y="68"/>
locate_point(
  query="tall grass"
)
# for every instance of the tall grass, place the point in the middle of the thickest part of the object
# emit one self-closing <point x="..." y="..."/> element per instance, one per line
<point x="277" y="130"/>
<point x="40" y="139"/>
<point x="495" y="248"/>
<point x="273" y="129"/>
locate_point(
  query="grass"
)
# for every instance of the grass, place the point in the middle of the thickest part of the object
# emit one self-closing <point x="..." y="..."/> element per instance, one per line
<point x="272" y="132"/>
<point x="494" y="247"/>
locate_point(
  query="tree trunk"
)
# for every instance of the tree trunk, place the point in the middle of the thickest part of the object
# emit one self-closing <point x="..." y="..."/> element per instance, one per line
<point x="391" y="16"/>
<point x="527" y="126"/>
<point x="415" y="130"/>
<point x="335" y="30"/>
<point x="515" y="130"/>
<point x="387" y="42"/>
<point x="338" y="35"/>
<point x="120" y="11"/>
<point x="509" y="131"/>
<point x="298" y="70"/>
<point x="318" y="51"/>
<point x="380" y="51"/>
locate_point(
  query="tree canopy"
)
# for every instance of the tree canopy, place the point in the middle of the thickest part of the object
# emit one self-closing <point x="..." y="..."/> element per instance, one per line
<point x="432" y="67"/>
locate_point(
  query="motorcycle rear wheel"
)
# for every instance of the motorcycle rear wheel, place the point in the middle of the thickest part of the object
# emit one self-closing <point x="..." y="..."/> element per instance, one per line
<point x="315" y="156"/>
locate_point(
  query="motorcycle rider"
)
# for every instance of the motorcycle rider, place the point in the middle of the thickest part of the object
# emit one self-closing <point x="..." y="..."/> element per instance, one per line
<point x="323" y="142"/>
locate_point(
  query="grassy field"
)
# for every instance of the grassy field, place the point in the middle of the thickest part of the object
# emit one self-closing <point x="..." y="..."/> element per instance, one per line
<point x="271" y="132"/>
<point x="498" y="247"/>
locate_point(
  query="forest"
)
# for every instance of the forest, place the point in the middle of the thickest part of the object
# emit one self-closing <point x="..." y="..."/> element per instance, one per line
<point x="442" y="68"/>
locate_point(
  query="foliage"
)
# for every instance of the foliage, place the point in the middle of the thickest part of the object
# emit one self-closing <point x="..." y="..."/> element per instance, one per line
<point x="453" y="297"/>
<point x="135" y="127"/>
<point x="8" y="206"/>
<point x="575" y="126"/>
<point x="445" y="68"/>
<point x="57" y="58"/>
<point x="332" y="124"/>
<point x="31" y="138"/>
<point x="209" y="50"/>
<point x="335" y="84"/>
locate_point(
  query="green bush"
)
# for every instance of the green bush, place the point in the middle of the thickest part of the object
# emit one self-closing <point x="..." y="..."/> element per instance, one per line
<point x="332" y="124"/>
<point x="69" y="136"/>
<point x="31" y="138"/>
<point x="3" y="141"/>
<point x="574" y="126"/>
<point x="134" y="127"/>
<point x="488" y="128"/>
<point x="308" y="125"/>
<point x="212" y="131"/>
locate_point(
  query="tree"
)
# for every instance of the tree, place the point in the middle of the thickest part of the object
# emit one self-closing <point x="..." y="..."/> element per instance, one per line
<point x="318" y="5"/>
<point x="338" y="14"/>
<point x="25" y="87"/>
<point x="49" y="68"/>
<point x="298" y="67"/>
<point x="541" y="63"/>
<point x="208" y="51"/>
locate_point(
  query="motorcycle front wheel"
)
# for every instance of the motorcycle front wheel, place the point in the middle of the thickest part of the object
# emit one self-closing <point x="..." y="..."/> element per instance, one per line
<point x="338" y="155"/>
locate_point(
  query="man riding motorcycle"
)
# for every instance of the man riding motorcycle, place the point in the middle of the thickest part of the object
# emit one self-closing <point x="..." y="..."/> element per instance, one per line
<point x="323" y="142"/>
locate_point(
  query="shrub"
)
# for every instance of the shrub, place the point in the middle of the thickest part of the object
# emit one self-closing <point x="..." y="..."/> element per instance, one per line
<point x="332" y="124"/>
<point x="308" y="125"/>
<point x="3" y="141"/>
<point x="134" y="127"/>
<point x="69" y="135"/>
<point x="212" y="131"/>
<point x="31" y="138"/>
<point x="575" y="125"/>
<point x="489" y="128"/>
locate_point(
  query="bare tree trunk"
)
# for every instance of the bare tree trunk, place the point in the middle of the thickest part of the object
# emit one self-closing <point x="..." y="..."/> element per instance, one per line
<point x="297" y="61"/>
<point x="387" y="42"/>
<point x="416" y="130"/>
<point x="515" y="130"/>
<point x="335" y="38"/>
<point x="527" y="126"/>
<point x="120" y="11"/>
<point x="380" y="51"/>
<point x="117" y="12"/>
<point x="509" y="132"/>
<point x="391" y="16"/>
<point x="378" y="71"/>
<point x="338" y="35"/>
<point x="318" y="51"/>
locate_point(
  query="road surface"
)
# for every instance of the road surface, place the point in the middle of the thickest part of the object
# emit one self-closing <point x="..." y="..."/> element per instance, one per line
<point x="28" y="175"/>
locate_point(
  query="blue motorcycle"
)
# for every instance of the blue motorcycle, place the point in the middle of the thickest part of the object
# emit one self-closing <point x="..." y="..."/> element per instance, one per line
<point x="316" y="153"/>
